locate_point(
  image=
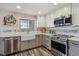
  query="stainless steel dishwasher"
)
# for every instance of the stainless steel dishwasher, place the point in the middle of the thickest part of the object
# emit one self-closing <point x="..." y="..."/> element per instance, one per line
<point x="73" y="48"/>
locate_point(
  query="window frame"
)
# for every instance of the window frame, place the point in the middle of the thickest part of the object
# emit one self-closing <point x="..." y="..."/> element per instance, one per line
<point x="28" y="27"/>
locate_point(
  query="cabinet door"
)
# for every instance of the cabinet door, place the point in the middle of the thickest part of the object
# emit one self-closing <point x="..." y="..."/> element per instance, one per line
<point x="41" y="21"/>
<point x="15" y="45"/>
<point x="31" y="43"/>
<point x="41" y="39"/>
<point x="75" y="13"/>
<point x="44" y="39"/>
<point x="73" y="51"/>
<point x="36" y="40"/>
<point x="7" y="46"/>
<point x="24" y="45"/>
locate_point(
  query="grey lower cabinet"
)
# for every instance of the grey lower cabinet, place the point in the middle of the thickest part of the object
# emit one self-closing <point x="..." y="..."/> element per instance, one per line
<point x="31" y="43"/>
<point x="39" y="40"/>
<point x="7" y="46"/>
<point x="28" y="44"/>
<point x="10" y="45"/>
<point x="73" y="48"/>
<point x="73" y="51"/>
<point x="47" y="41"/>
<point x="24" y="45"/>
<point x="36" y="40"/>
<point x="44" y="39"/>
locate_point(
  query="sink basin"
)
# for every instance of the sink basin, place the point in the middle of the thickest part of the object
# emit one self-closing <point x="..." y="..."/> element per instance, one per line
<point x="27" y="37"/>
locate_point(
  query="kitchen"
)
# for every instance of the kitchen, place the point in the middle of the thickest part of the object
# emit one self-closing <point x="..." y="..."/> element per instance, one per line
<point x="39" y="29"/>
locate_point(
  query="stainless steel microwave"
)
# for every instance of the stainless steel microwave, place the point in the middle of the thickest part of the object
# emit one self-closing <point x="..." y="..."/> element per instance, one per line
<point x="63" y="21"/>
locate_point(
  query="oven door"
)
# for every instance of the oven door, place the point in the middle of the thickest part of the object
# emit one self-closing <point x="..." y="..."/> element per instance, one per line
<point x="58" y="47"/>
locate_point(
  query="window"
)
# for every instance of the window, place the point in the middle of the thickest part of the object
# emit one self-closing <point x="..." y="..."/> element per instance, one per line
<point x="26" y="24"/>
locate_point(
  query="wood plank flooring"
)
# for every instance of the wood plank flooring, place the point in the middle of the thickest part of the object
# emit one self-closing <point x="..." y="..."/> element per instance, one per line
<point x="41" y="51"/>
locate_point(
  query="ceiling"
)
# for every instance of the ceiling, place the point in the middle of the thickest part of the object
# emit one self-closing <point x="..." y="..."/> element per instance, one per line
<point x="31" y="8"/>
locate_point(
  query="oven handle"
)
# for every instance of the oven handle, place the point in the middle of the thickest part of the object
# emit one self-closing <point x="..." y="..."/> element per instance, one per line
<point x="63" y="41"/>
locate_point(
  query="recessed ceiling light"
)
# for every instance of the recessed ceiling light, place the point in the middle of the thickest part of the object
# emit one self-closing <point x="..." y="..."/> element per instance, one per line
<point x="39" y="12"/>
<point x="18" y="7"/>
<point x="66" y="8"/>
<point x="55" y="3"/>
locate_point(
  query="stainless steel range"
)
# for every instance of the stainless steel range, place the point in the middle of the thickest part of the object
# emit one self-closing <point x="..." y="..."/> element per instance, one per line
<point x="59" y="45"/>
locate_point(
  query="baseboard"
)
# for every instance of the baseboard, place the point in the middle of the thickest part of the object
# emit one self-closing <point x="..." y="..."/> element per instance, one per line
<point x="2" y="55"/>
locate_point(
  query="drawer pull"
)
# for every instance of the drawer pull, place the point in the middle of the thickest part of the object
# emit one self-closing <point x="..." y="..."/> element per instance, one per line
<point x="74" y="43"/>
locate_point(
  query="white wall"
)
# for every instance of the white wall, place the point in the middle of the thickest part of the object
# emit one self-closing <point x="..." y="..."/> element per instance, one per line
<point x="43" y="21"/>
<point x="17" y="16"/>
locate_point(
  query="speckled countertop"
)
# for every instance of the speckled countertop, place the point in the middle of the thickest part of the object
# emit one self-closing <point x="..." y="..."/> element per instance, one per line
<point x="74" y="38"/>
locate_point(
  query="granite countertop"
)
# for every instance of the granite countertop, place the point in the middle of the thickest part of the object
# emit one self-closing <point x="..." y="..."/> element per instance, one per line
<point x="32" y="35"/>
<point x="21" y="34"/>
<point x="74" y="38"/>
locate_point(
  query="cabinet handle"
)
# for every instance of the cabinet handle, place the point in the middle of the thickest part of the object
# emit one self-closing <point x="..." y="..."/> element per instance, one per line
<point x="74" y="43"/>
<point x="63" y="41"/>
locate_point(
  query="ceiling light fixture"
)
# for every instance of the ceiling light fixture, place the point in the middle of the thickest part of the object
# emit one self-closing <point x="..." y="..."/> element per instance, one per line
<point x="18" y="7"/>
<point x="66" y="8"/>
<point x="55" y="3"/>
<point x="39" y="12"/>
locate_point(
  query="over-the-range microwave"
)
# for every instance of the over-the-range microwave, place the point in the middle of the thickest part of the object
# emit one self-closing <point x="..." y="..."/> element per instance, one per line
<point x="63" y="21"/>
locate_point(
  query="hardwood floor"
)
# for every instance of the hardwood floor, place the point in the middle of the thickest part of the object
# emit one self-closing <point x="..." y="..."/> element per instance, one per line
<point x="41" y="51"/>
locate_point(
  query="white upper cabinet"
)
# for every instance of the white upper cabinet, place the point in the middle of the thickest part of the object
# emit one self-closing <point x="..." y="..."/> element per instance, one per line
<point x="41" y="21"/>
<point x="50" y="20"/>
<point x="75" y="13"/>
<point x="64" y="11"/>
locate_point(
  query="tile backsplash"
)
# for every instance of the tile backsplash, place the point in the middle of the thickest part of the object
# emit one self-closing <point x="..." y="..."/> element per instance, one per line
<point x="5" y="30"/>
<point x="70" y="30"/>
